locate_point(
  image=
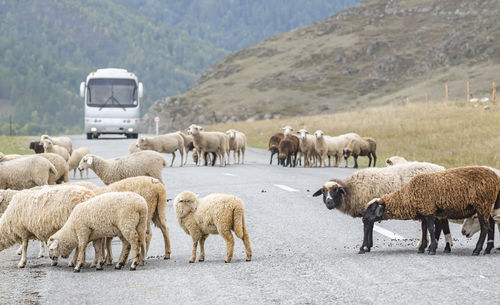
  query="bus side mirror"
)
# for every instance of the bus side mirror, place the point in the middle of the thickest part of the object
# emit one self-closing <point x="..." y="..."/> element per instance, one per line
<point x="82" y="89"/>
<point x="141" y="90"/>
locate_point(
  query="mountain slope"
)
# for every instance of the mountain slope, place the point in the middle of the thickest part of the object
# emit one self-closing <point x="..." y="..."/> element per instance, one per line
<point x="375" y="53"/>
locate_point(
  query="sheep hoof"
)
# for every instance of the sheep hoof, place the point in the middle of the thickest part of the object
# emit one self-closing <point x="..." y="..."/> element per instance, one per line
<point x="248" y="259"/>
<point x="447" y="248"/>
<point x="132" y="268"/>
<point x="99" y="268"/>
<point x="432" y="252"/>
<point x="40" y="256"/>
<point x="475" y="253"/>
<point x="119" y="266"/>
<point x="20" y="266"/>
<point x="191" y="261"/>
<point x="76" y="270"/>
<point x="201" y="260"/>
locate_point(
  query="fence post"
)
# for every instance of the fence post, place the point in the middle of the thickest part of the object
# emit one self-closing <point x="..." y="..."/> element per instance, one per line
<point x="494" y="93"/>
<point x="446" y="93"/>
<point x="10" y="125"/>
<point x="468" y="92"/>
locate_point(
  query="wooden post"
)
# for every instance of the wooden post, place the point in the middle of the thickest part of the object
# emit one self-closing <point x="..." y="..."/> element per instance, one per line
<point x="10" y="125"/>
<point x="468" y="92"/>
<point x="446" y="94"/>
<point x="494" y="92"/>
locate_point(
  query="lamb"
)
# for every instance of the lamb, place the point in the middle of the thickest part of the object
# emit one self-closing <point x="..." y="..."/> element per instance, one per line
<point x="27" y="172"/>
<point x="336" y="146"/>
<point x="50" y="147"/>
<point x="61" y="141"/>
<point x="133" y="147"/>
<point x="351" y="195"/>
<point x="274" y="142"/>
<point x="75" y="159"/>
<point x="154" y="192"/>
<point x="213" y="214"/>
<point x="37" y="214"/>
<point x="288" y="150"/>
<point x="122" y="214"/>
<point x="395" y="160"/>
<point x="37" y="147"/>
<point x="307" y="145"/>
<point x="5" y="158"/>
<point x="361" y="147"/>
<point x="188" y="144"/>
<point x="167" y="143"/>
<point x="455" y="193"/>
<point x="209" y="142"/>
<point x="238" y="144"/>
<point x="61" y="167"/>
<point x="143" y="163"/>
<point x="209" y="157"/>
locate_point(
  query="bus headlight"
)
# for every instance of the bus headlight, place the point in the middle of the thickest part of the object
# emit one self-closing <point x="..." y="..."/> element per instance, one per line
<point x="93" y="129"/>
<point x="130" y="129"/>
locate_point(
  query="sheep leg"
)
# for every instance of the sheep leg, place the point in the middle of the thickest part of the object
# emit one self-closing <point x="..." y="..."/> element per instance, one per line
<point x="41" y="253"/>
<point x="22" y="262"/>
<point x="82" y="246"/>
<point x="355" y="161"/>
<point x="272" y="154"/>
<point x="498" y="225"/>
<point x="124" y="254"/>
<point x="365" y="247"/>
<point x="430" y="227"/>
<point x="192" y="259"/>
<point x="234" y="156"/>
<point x="248" y="247"/>
<point x="242" y="155"/>
<point x="482" y="236"/>
<point x="369" y="160"/>
<point x="202" y="248"/>
<point x="374" y="158"/>
<point x="160" y="222"/>
<point x="202" y="158"/>
<point x="181" y="152"/>
<point x="149" y="235"/>
<point x="491" y="236"/>
<point x="423" y="244"/>
<point x="98" y="261"/>
<point x="20" y="250"/>
<point x="74" y="173"/>
<point x="134" y="244"/>
<point x="444" y="225"/>
<point x="228" y="237"/>
<point x="109" y="251"/>
<point x="213" y="158"/>
<point x="72" y="263"/>
<point x="346" y="161"/>
<point x="173" y="158"/>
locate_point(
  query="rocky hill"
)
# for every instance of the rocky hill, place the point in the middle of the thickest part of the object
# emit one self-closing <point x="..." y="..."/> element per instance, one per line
<point x="376" y="53"/>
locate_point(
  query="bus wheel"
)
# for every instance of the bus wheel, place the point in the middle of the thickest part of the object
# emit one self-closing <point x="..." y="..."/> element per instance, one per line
<point x="134" y="136"/>
<point x="89" y="136"/>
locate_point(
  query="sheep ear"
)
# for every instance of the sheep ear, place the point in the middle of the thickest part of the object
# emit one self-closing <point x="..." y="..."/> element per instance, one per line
<point x="318" y="192"/>
<point x="89" y="161"/>
<point x="54" y="245"/>
<point x="342" y="190"/>
<point x="380" y="210"/>
<point x="1" y="198"/>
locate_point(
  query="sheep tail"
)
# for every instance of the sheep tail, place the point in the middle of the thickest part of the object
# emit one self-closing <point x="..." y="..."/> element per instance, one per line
<point x="53" y="169"/>
<point x="239" y="222"/>
<point x="141" y="231"/>
<point x="160" y="210"/>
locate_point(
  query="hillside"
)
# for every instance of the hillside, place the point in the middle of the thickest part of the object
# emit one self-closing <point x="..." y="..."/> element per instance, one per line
<point x="376" y="53"/>
<point x="48" y="47"/>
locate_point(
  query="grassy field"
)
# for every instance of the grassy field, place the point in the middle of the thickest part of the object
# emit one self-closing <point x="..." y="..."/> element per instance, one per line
<point x="450" y="135"/>
<point x="15" y="145"/>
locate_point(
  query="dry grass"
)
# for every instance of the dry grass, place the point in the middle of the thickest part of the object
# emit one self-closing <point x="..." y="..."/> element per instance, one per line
<point x="15" y="145"/>
<point x="447" y="135"/>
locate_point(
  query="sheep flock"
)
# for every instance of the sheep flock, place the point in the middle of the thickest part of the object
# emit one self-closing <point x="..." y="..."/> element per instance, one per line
<point x="39" y="201"/>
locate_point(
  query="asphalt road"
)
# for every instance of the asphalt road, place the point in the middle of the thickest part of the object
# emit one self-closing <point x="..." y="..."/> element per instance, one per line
<point x="303" y="253"/>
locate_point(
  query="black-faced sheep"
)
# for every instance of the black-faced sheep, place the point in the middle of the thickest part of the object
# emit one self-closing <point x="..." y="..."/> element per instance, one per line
<point x="61" y="141"/>
<point x="361" y="147"/>
<point x="36" y="147"/>
<point x="455" y="193"/>
<point x="273" y="144"/>
<point x="213" y="214"/>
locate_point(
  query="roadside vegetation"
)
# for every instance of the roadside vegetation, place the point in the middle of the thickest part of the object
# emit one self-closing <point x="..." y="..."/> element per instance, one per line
<point x="449" y="135"/>
<point x="15" y="145"/>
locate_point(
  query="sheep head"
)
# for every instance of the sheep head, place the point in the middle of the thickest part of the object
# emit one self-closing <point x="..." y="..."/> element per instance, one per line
<point x="375" y="210"/>
<point x="185" y="203"/>
<point x="332" y="193"/>
<point x="318" y="134"/>
<point x="194" y="129"/>
<point x="347" y="152"/>
<point x="231" y="133"/>
<point x="85" y="162"/>
<point x="471" y="226"/>
<point x="47" y="144"/>
<point x="302" y="133"/>
<point x="43" y="137"/>
<point x="57" y="247"/>
<point x="287" y="130"/>
<point x="141" y="142"/>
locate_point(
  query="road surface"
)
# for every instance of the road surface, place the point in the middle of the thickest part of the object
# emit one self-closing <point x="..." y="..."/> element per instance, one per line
<point x="303" y="253"/>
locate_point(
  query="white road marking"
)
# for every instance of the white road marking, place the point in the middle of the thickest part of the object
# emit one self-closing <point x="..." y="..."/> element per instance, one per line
<point x="286" y="188"/>
<point x="387" y="233"/>
<point x="228" y="174"/>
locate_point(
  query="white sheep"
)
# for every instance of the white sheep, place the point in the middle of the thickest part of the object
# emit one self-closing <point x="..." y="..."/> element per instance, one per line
<point x="26" y="172"/>
<point x="337" y="144"/>
<point x="61" y="141"/>
<point x="287" y="130"/>
<point x="133" y="147"/>
<point x="205" y="141"/>
<point x="307" y="146"/>
<point x="60" y="165"/>
<point x="395" y="160"/>
<point x="188" y="144"/>
<point x="5" y="158"/>
<point x="5" y="198"/>
<point x="213" y="214"/>
<point x="167" y="143"/>
<point x="75" y="159"/>
<point x="37" y="214"/>
<point x="50" y="147"/>
<point x="238" y="144"/>
<point x="143" y="163"/>
<point x="122" y="214"/>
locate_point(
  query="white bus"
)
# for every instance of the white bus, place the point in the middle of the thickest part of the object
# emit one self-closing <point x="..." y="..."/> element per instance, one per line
<point x="112" y="103"/>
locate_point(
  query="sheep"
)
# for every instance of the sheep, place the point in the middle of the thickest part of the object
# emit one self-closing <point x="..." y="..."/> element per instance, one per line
<point x="5" y="198"/>
<point x="167" y="143"/>
<point x="133" y="147"/>
<point x="75" y="159"/>
<point x="188" y="144"/>
<point x="351" y="195"/>
<point x="61" y="141"/>
<point x="273" y="144"/>
<point x="238" y="144"/>
<point x="395" y="160"/>
<point x="26" y="172"/>
<point x="37" y="214"/>
<point x="36" y="147"/>
<point x="336" y="145"/>
<point x="5" y="158"/>
<point x="307" y="145"/>
<point x="213" y="214"/>
<point x="209" y="157"/>
<point x="122" y="214"/>
<point x="61" y="167"/>
<point x="455" y="193"/>
<point x="361" y="147"/>
<point x="143" y="163"/>
<point x="154" y="192"/>
<point x="287" y="130"/>
<point x="205" y="141"/>
<point x="50" y="147"/>
<point x="288" y="150"/>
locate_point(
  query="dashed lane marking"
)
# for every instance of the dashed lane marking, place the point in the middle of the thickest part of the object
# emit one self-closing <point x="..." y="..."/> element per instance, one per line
<point x="387" y="233"/>
<point x="286" y="188"/>
<point x="228" y="174"/>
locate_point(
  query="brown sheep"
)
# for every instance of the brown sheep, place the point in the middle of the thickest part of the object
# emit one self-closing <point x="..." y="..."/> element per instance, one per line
<point x="455" y="193"/>
<point x="37" y="147"/>
<point x="361" y="147"/>
<point x="288" y="149"/>
<point x="274" y="143"/>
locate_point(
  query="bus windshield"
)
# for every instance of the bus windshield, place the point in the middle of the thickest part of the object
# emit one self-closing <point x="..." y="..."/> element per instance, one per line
<point x="107" y="93"/>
